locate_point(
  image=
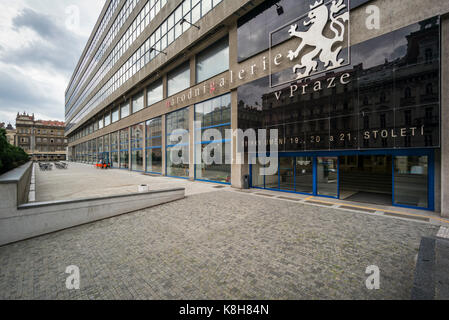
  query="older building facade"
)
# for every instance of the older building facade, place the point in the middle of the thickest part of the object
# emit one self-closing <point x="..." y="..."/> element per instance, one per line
<point x="355" y="91"/>
<point x="10" y="133"/>
<point x="42" y="140"/>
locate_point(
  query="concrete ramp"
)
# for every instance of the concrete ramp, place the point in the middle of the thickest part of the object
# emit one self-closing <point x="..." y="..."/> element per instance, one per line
<point x="20" y="221"/>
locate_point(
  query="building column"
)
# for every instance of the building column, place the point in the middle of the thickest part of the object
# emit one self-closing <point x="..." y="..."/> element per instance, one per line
<point x="129" y="148"/>
<point x="445" y="118"/>
<point x="238" y="169"/>
<point x="191" y="143"/>
<point x="164" y="140"/>
<point x="144" y="146"/>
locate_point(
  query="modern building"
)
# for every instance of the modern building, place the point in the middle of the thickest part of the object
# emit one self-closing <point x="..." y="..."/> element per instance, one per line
<point x="42" y="140"/>
<point x="356" y="91"/>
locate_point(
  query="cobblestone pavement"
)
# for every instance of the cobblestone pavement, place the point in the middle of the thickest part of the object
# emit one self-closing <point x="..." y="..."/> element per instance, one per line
<point x="219" y="245"/>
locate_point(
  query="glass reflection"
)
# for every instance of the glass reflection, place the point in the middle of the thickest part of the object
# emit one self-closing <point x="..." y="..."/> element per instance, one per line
<point x="391" y="100"/>
<point x="411" y="181"/>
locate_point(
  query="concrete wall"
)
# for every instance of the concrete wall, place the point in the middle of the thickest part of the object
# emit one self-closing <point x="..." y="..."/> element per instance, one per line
<point x="15" y="187"/>
<point x="31" y="220"/>
<point x="20" y="220"/>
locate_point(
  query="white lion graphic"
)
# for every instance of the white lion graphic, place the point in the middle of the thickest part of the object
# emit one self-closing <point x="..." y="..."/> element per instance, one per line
<point x="314" y="37"/>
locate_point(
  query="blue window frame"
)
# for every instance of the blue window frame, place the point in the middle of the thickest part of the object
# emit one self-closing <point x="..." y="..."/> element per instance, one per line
<point x="429" y="153"/>
<point x="154" y="146"/>
<point x="213" y="115"/>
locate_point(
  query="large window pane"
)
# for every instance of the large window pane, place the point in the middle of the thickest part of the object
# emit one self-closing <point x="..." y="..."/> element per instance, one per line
<point x="213" y="60"/>
<point x="213" y="157"/>
<point x="115" y="116"/>
<point x="304" y="175"/>
<point x="177" y="151"/>
<point x="124" y="159"/>
<point x="124" y="110"/>
<point x="138" y="102"/>
<point x="179" y="79"/>
<point x="327" y="177"/>
<point x="411" y="181"/>
<point x="154" y="160"/>
<point x="286" y="174"/>
<point x="155" y="93"/>
<point x="137" y="160"/>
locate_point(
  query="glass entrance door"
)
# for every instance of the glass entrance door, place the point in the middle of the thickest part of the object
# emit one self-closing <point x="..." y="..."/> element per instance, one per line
<point x="327" y="176"/>
<point x="304" y="175"/>
<point x="411" y="181"/>
<point x="286" y="174"/>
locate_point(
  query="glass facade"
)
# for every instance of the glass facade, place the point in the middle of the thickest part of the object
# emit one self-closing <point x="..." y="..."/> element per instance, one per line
<point x="212" y="61"/>
<point x="167" y="32"/>
<point x="387" y="104"/>
<point x="137" y="145"/>
<point x="154" y="145"/>
<point x="376" y="119"/>
<point x="177" y="150"/>
<point x="391" y="100"/>
<point x="212" y="146"/>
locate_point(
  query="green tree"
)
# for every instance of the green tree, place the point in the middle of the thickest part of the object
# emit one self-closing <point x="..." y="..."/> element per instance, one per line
<point x="10" y="156"/>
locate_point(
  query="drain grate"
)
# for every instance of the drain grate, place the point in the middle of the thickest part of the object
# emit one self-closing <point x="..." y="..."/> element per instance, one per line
<point x="320" y="203"/>
<point x="287" y="198"/>
<point x="219" y="187"/>
<point x="265" y="195"/>
<point x="397" y="215"/>
<point x="357" y="209"/>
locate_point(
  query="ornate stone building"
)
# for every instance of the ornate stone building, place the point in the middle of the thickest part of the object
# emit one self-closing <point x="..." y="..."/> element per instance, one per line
<point x="43" y="140"/>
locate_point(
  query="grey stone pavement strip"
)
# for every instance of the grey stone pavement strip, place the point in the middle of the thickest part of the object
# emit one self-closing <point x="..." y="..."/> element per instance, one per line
<point x="220" y="245"/>
<point x="443" y="232"/>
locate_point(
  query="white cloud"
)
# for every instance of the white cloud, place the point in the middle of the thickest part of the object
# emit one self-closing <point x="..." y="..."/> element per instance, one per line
<point x="38" y="54"/>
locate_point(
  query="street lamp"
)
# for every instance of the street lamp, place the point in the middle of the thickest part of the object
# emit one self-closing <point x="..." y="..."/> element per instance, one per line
<point x="153" y="49"/>
<point x="184" y="20"/>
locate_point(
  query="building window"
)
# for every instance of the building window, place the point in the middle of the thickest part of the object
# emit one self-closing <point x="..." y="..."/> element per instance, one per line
<point x="154" y="145"/>
<point x="408" y="93"/>
<point x="100" y="123"/>
<point x="107" y="119"/>
<point x="178" y="79"/>
<point x="115" y="115"/>
<point x="137" y="144"/>
<point x="213" y="60"/>
<point x="115" y="149"/>
<point x="124" y="149"/>
<point x="215" y="118"/>
<point x="177" y="150"/>
<point x="124" y="110"/>
<point x="429" y="55"/>
<point x="155" y="93"/>
<point x="138" y="102"/>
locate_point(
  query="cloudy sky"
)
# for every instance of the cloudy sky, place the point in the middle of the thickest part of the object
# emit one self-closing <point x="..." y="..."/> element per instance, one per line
<point x="40" y="44"/>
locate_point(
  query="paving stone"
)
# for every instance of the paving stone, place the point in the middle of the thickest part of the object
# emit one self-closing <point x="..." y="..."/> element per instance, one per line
<point x="220" y="245"/>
